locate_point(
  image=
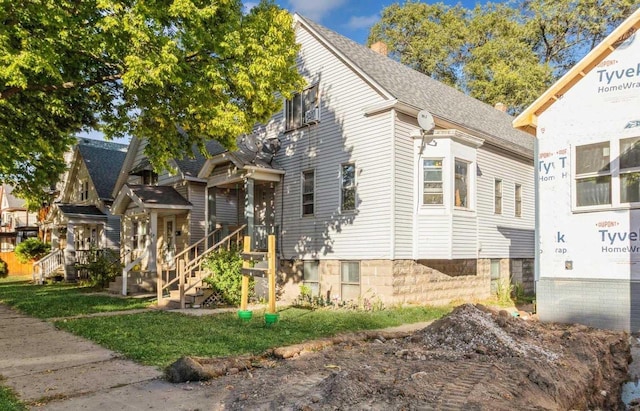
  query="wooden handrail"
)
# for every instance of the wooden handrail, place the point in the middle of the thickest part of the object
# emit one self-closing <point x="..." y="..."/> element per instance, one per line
<point x="184" y="266"/>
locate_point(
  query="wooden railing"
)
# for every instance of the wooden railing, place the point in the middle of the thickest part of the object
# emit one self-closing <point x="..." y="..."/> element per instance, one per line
<point x="47" y="265"/>
<point x="189" y="263"/>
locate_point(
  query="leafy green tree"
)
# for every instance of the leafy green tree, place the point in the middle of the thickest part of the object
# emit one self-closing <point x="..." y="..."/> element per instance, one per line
<point x="176" y="72"/>
<point x="31" y="249"/>
<point x="499" y="52"/>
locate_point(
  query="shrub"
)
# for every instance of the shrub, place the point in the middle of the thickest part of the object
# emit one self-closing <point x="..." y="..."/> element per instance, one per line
<point x="103" y="268"/>
<point x="226" y="278"/>
<point x="31" y="249"/>
<point x="4" y="269"/>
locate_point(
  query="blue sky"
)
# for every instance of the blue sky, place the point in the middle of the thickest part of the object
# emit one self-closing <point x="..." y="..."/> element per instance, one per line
<point x="350" y="18"/>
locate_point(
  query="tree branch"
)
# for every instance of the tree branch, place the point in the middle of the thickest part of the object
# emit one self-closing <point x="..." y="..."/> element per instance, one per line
<point x="12" y="91"/>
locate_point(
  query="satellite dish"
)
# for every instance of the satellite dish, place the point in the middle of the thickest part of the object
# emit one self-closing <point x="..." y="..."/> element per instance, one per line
<point x="271" y="146"/>
<point x="252" y="143"/>
<point x="425" y="121"/>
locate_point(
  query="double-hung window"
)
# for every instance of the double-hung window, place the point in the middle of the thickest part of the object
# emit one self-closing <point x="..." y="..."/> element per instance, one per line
<point x="461" y="184"/>
<point x="310" y="276"/>
<point x="497" y="195"/>
<point x="518" y="200"/>
<point x="302" y="109"/>
<point x="349" y="280"/>
<point x="593" y="175"/>
<point x="84" y="190"/>
<point x="432" y="182"/>
<point x="630" y="170"/>
<point x="308" y="192"/>
<point x="348" y="187"/>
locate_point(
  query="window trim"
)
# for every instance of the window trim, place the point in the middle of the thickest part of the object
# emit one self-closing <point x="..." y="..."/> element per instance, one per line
<point x="498" y="196"/>
<point x="303" y="193"/>
<point x="353" y="187"/>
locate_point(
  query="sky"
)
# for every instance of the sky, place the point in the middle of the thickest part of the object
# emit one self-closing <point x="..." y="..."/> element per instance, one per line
<point x="351" y="18"/>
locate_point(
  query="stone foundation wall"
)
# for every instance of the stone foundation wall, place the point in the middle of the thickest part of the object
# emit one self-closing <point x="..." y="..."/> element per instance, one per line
<point x="408" y="281"/>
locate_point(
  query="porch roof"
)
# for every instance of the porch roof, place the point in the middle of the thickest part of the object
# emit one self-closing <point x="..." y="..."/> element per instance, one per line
<point x="84" y="211"/>
<point x="150" y="197"/>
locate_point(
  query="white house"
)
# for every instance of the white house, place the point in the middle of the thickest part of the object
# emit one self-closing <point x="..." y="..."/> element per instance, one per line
<point x="588" y="177"/>
<point x="366" y="206"/>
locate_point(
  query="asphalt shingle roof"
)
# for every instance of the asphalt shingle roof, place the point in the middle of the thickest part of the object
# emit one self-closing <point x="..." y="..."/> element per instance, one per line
<point x="103" y="165"/>
<point x="87" y="210"/>
<point x="421" y="91"/>
<point x="191" y="166"/>
<point x="164" y="195"/>
<point x="14" y="202"/>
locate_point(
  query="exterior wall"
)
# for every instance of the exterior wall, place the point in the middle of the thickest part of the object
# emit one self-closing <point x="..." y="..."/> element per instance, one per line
<point x="197" y="218"/>
<point x="404" y="187"/>
<point x="505" y="235"/>
<point x="408" y="281"/>
<point x="112" y="231"/>
<point x="590" y="255"/>
<point x="73" y="195"/>
<point x="343" y="135"/>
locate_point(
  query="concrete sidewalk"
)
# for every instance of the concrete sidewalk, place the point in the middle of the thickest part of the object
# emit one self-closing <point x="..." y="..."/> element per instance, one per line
<point x="53" y="370"/>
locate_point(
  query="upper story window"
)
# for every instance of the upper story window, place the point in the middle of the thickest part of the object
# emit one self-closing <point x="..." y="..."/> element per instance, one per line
<point x="303" y="109"/>
<point x="149" y="177"/>
<point x="630" y="170"/>
<point x="432" y="192"/>
<point x="497" y="196"/>
<point x="461" y="184"/>
<point x="593" y="175"/>
<point x="518" y="200"/>
<point x="84" y="190"/>
<point x="308" y="192"/>
<point x="348" y="187"/>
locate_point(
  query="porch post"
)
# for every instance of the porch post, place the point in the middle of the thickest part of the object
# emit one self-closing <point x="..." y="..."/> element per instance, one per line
<point x="70" y="254"/>
<point x="54" y="237"/>
<point x="152" y="244"/>
<point x="249" y="207"/>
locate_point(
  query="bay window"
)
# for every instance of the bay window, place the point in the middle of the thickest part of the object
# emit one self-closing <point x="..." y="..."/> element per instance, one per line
<point x="432" y="192"/>
<point x="461" y="184"/>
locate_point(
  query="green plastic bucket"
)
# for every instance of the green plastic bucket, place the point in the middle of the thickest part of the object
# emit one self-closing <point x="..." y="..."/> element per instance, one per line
<point x="245" y="315"/>
<point x="271" y="318"/>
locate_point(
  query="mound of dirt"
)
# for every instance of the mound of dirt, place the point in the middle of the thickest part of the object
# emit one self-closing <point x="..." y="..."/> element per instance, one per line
<point x="474" y="358"/>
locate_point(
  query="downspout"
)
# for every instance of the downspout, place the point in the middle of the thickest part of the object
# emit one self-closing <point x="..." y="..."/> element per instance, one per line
<point x="392" y="228"/>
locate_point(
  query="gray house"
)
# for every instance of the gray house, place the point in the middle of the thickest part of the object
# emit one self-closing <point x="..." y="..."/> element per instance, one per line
<point x="367" y="205"/>
<point x="80" y="221"/>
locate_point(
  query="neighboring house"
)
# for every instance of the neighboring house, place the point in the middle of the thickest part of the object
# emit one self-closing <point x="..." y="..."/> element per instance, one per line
<point x="80" y="221"/>
<point x="163" y="214"/>
<point x="364" y="204"/>
<point x="16" y="222"/>
<point x="588" y="176"/>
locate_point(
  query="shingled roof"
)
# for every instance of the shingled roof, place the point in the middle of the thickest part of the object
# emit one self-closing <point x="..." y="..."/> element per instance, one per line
<point x="191" y="166"/>
<point x="421" y="91"/>
<point x="103" y="165"/>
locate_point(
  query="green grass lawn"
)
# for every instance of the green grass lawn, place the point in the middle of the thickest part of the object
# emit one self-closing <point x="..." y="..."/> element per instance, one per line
<point x="60" y="300"/>
<point x="160" y="338"/>
<point x="8" y="400"/>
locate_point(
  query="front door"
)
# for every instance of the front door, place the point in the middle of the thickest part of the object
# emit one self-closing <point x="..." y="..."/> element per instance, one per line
<point x="169" y="250"/>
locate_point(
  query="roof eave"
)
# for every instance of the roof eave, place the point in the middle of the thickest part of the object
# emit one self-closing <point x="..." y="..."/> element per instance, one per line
<point x="527" y="120"/>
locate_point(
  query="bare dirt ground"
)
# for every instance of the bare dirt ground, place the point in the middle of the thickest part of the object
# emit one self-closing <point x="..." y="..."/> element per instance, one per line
<point x="476" y="358"/>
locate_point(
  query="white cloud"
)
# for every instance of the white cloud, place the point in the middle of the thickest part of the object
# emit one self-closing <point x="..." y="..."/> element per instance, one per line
<point x="362" y="22"/>
<point x="315" y="9"/>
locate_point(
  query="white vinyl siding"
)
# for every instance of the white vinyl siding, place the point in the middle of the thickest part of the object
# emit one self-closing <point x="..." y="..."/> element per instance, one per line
<point x="403" y="187"/>
<point x="505" y="235"/>
<point x="345" y="135"/>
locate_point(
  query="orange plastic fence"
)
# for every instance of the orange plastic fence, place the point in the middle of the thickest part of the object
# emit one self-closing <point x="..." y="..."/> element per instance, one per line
<point x="16" y="267"/>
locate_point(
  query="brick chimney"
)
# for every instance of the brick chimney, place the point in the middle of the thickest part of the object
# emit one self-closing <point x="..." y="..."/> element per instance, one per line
<point x="501" y="107"/>
<point x="380" y="47"/>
